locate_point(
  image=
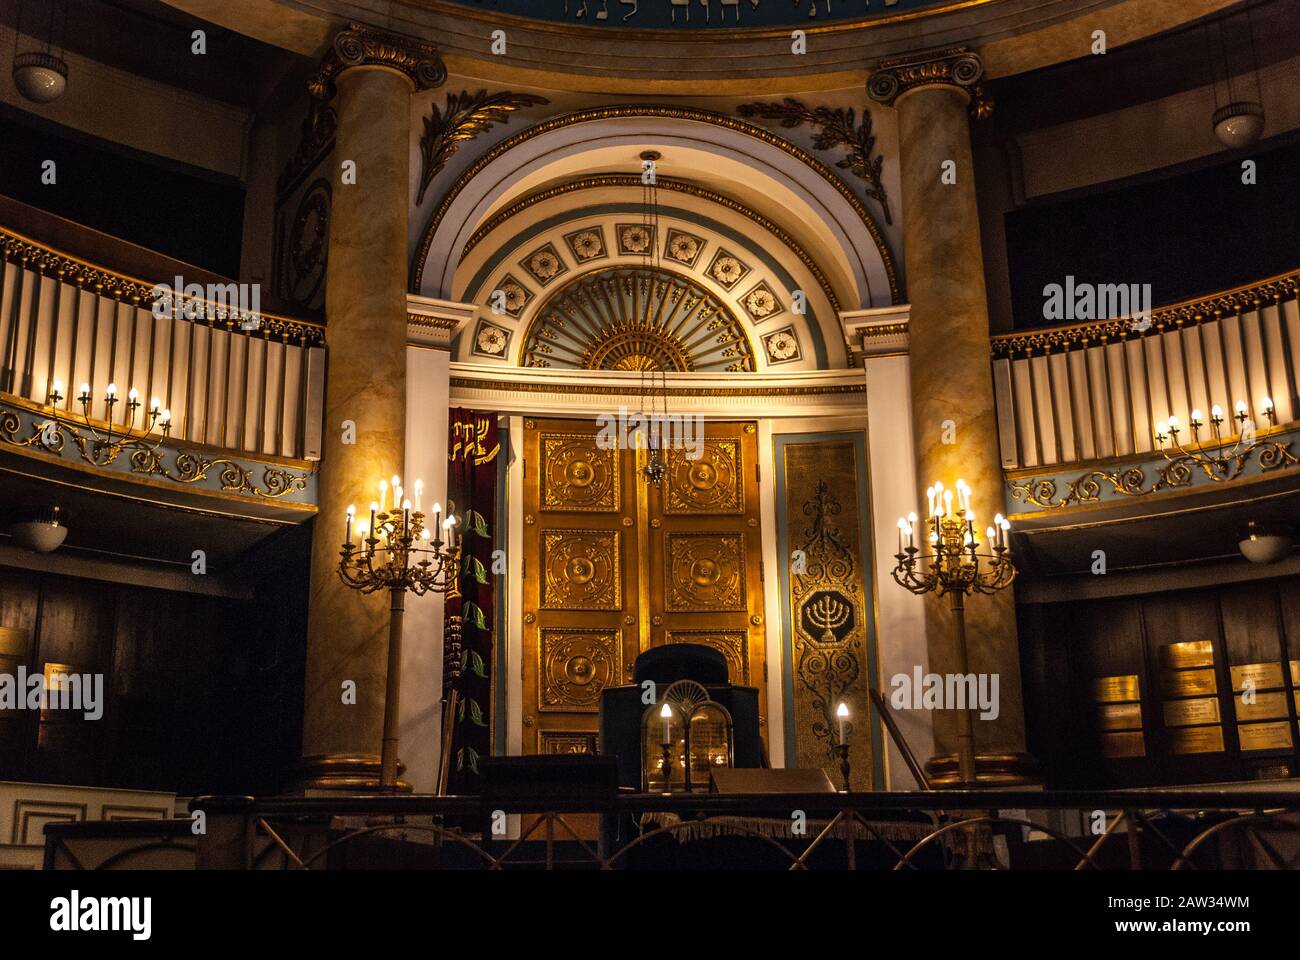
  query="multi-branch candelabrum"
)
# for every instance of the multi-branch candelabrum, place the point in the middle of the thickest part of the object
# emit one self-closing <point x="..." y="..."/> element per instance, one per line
<point x="952" y="561"/>
<point x="1218" y="462"/>
<point x="398" y="553"/>
<point x="103" y="447"/>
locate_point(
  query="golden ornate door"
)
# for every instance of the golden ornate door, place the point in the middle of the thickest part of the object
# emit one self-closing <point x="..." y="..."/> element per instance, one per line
<point x="614" y="565"/>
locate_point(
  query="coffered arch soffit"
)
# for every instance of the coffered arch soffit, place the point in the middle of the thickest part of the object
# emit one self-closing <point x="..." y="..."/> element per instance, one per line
<point x="776" y="180"/>
<point x="550" y="239"/>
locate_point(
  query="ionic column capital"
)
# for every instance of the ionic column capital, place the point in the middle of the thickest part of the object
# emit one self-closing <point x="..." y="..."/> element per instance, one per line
<point x="364" y="46"/>
<point x="955" y="67"/>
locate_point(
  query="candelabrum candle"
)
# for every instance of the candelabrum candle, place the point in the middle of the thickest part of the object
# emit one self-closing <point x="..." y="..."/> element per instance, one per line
<point x="419" y="492"/>
<point x="667" y="714"/>
<point x="842" y="714"/>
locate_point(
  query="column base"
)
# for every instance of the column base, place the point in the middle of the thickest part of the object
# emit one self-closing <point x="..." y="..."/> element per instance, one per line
<point x="991" y="770"/>
<point x="349" y="772"/>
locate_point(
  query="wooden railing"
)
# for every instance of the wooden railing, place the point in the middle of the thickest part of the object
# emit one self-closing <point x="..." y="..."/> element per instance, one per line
<point x="242" y="380"/>
<point x="1095" y="391"/>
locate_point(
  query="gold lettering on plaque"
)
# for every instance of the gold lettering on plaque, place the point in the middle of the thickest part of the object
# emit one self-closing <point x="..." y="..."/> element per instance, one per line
<point x="1263" y="675"/>
<point x="1193" y="653"/>
<point x="1265" y="736"/>
<point x="1120" y="716"/>
<point x="1267" y="706"/>
<point x="1118" y="745"/>
<point x="1113" y="689"/>
<point x="1189" y="683"/>
<point x="1196" y="740"/>
<point x="1187" y="713"/>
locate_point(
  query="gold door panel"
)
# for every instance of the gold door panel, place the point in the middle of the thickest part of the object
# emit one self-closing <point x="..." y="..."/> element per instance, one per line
<point x="581" y="570"/>
<point x="614" y="565"/>
<point x="577" y="475"/>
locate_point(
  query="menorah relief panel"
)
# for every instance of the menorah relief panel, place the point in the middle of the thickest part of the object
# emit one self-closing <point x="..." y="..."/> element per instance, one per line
<point x="830" y="623"/>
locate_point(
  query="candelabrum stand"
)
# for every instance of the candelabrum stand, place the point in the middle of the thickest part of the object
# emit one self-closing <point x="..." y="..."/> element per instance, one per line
<point x="398" y="554"/>
<point x="956" y="565"/>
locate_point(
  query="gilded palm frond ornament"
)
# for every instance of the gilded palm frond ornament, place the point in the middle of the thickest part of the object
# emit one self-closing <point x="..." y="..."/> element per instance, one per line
<point x="467" y="116"/>
<point x="838" y="127"/>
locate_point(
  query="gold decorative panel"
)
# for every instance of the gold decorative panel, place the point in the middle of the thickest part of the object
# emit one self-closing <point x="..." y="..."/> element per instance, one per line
<point x="709" y="484"/>
<point x="577" y="475"/>
<point x="706" y="571"/>
<point x="580" y="570"/>
<point x="631" y="566"/>
<point x="552" y="743"/>
<point x="732" y="644"/>
<point x="828" y="606"/>
<point x="576" y="665"/>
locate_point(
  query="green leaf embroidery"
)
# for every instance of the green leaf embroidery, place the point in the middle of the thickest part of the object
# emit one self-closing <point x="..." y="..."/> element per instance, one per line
<point x="476" y="665"/>
<point x="460" y="759"/>
<point x="472" y="566"/>
<point x="474" y="523"/>
<point x="473" y="615"/>
<point x="460" y="712"/>
<point x="473" y="759"/>
<point x="476" y="713"/>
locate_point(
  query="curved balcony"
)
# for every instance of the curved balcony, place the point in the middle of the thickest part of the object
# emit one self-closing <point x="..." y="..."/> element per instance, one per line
<point x="243" y="387"/>
<point x="1084" y="413"/>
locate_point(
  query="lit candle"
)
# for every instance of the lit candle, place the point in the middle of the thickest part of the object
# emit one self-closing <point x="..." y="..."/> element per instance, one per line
<point x="1196" y="416"/>
<point x="991" y="538"/>
<point x="842" y="713"/>
<point x="166" y="417"/>
<point x="1268" y="407"/>
<point x="1005" y="526"/>
<point x="406" y="516"/>
<point x="374" y="508"/>
<point x="155" y="406"/>
<point x="85" y="391"/>
<point x="963" y="496"/>
<point x="667" y="713"/>
<point x="902" y="528"/>
<point x="437" y="516"/>
<point x="383" y="496"/>
<point x="133" y="395"/>
<point x="56" y="387"/>
<point x="1216" y="412"/>
<point x="929" y="492"/>
<point x="947" y="502"/>
<point x="1173" y="424"/>
<point x="997" y="526"/>
<point x="111" y="392"/>
<point x="450" y="526"/>
<point x="419" y="492"/>
<point x="352" y="512"/>
<point x="911" y="528"/>
<point x="1240" y="406"/>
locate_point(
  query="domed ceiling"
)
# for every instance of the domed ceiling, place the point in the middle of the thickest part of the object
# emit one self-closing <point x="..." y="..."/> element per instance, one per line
<point x="705" y="14"/>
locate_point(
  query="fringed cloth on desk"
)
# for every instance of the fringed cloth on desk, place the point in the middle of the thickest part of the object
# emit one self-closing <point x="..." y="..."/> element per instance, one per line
<point x="848" y="828"/>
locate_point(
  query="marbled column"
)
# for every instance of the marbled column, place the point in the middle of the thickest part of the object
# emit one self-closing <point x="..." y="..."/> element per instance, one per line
<point x="951" y="383"/>
<point x="372" y="76"/>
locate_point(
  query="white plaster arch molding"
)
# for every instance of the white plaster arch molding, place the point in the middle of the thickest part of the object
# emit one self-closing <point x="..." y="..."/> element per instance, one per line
<point x="761" y="295"/>
<point x="731" y="158"/>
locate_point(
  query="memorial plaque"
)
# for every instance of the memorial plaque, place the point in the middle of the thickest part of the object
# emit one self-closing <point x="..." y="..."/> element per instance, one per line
<point x="1265" y="676"/>
<point x="1187" y="713"/>
<point x="1115" y="689"/>
<point x="1196" y="740"/>
<point x="1188" y="683"/>
<point x="1120" y="716"/>
<point x="1265" y="736"/>
<point x="1119" y="745"/>
<point x="13" y="643"/>
<point x="1267" y="706"/>
<point x="1193" y="653"/>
